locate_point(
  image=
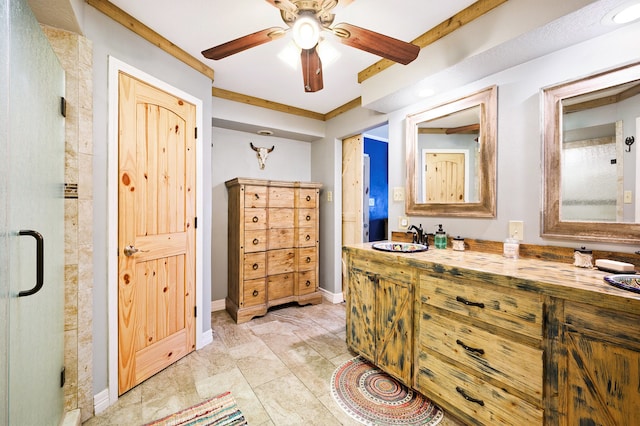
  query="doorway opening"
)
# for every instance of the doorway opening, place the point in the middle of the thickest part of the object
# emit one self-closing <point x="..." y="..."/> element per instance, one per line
<point x="376" y="184"/>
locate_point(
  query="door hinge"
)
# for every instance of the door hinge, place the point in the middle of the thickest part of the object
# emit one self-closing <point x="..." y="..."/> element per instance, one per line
<point x="195" y="312"/>
<point x="195" y="222"/>
<point x="63" y="377"/>
<point x="63" y="106"/>
<point x="195" y="133"/>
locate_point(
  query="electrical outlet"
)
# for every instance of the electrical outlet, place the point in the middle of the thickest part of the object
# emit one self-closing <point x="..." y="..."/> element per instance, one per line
<point x="403" y="222"/>
<point x="329" y="196"/>
<point x="516" y="229"/>
<point x="398" y="193"/>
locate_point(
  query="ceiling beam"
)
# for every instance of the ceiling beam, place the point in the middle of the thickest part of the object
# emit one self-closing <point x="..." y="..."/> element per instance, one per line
<point x="128" y="21"/>
<point x="457" y="21"/>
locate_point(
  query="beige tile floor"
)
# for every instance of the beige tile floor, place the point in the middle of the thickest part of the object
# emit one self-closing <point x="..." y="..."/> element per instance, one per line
<point x="278" y="368"/>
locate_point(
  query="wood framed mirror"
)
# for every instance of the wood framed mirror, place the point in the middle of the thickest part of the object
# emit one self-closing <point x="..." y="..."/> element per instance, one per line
<point x="591" y="185"/>
<point x="451" y="158"/>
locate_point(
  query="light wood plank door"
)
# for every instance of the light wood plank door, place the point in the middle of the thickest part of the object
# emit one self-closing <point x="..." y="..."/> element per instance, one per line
<point x="444" y="178"/>
<point x="352" y="188"/>
<point x="156" y="230"/>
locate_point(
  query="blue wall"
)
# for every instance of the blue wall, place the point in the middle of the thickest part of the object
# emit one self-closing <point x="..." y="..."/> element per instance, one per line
<point x="379" y="191"/>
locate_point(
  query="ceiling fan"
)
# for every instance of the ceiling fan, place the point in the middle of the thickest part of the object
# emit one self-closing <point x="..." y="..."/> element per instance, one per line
<point x="306" y="19"/>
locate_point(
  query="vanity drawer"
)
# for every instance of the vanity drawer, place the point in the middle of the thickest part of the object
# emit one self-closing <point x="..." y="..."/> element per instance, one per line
<point x="255" y="196"/>
<point x="255" y="218"/>
<point x="254" y="292"/>
<point x="482" y="402"/>
<point x="515" y="364"/>
<point x="307" y="258"/>
<point x="255" y="241"/>
<point x="512" y="309"/>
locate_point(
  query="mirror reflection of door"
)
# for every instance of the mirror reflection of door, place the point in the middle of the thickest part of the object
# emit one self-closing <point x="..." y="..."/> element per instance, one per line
<point x="444" y="177"/>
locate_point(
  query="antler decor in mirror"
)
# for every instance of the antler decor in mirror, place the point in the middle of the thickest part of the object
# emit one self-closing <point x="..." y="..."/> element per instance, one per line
<point x="591" y="184"/>
<point x="451" y="158"/>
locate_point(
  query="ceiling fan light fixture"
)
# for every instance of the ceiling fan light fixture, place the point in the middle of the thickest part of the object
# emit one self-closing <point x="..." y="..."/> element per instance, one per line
<point x="631" y="13"/>
<point x="306" y="31"/>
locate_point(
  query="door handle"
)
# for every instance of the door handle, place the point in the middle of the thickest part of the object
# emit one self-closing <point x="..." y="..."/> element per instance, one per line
<point x="39" y="262"/>
<point x="131" y="250"/>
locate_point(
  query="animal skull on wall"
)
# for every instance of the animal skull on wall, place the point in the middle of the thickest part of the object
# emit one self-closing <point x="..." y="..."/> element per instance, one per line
<point x="262" y="153"/>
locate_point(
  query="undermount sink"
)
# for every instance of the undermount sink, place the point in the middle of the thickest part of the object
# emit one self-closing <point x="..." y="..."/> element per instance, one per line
<point x="400" y="247"/>
<point x="625" y="281"/>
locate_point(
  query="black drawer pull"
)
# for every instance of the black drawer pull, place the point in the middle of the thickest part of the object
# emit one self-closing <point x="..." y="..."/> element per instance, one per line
<point x="468" y="303"/>
<point x="308" y="283"/>
<point x="469" y="348"/>
<point x="257" y="196"/>
<point x="256" y="241"/>
<point x="308" y="259"/>
<point x="255" y="219"/>
<point x="255" y="266"/>
<point x="308" y="237"/>
<point x="468" y="398"/>
<point x="308" y="218"/>
<point x="308" y="197"/>
<point x="255" y="293"/>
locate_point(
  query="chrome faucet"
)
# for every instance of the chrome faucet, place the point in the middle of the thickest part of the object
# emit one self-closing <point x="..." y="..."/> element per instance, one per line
<point x="419" y="236"/>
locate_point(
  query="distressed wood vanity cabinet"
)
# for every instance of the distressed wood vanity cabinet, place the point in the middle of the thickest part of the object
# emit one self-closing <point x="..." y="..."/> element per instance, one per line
<point x="499" y="341"/>
<point x="273" y="245"/>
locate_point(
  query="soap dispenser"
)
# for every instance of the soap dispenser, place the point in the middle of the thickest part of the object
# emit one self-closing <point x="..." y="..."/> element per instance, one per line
<point x="440" y="239"/>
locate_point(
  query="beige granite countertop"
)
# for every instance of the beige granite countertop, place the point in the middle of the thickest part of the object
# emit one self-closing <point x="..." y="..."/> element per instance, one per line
<point x="547" y="277"/>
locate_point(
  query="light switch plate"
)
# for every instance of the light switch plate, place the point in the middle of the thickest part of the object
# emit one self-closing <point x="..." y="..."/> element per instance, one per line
<point x="403" y="222"/>
<point x="516" y="229"/>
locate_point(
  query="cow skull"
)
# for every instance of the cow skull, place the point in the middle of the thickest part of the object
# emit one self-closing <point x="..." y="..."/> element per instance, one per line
<point x="262" y="153"/>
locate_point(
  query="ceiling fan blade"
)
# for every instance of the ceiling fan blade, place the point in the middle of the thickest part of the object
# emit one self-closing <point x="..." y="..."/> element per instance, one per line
<point x="376" y="43"/>
<point x="311" y="70"/>
<point x="243" y="43"/>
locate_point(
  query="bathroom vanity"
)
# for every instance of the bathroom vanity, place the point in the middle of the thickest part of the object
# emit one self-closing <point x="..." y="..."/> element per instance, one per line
<point x="498" y="341"/>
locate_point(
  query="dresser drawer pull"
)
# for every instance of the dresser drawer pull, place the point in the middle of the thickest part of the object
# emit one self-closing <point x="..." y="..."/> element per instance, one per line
<point x="308" y="259"/>
<point x="469" y="303"/>
<point x="468" y="398"/>
<point x="257" y="196"/>
<point x="308" y="218"/>
<point x="308" y="197"/>
<point x="308" y="237"/>
<point x="256" y="241"/>
<point x="255" y="266"/>
<point x="469" y="348"/>
<point x="255" y="219"/>
<point x="308" y="283"/>
<point x="255" y="293"/>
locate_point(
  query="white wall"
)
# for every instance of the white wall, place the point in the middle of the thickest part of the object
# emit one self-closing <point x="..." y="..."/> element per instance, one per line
<point x="233" y="157"/>
<point x="519" y="163"/>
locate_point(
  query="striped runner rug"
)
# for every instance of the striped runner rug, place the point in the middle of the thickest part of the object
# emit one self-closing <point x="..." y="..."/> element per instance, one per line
<point x="220" y="410"/>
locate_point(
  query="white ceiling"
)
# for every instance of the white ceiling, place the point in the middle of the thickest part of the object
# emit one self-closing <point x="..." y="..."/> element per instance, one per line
<point x="195" y="25"/>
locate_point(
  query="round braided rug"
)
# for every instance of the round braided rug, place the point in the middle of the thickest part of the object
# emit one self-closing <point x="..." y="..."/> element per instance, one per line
<point x="372" y="397"/>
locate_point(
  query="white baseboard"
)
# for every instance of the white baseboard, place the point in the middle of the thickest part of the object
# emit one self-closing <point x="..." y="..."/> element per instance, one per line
<point x="207" y="337"/>
<point x="332" y="297"/>
<point x="101" y="401"/>
<point x="218" y="305"/>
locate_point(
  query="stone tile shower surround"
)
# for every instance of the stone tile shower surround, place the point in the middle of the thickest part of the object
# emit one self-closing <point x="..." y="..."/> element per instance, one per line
<point x="75" y="54"/>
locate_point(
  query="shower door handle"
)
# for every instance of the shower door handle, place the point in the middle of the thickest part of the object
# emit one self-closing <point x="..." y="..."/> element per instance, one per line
<point x="39" y="262"/>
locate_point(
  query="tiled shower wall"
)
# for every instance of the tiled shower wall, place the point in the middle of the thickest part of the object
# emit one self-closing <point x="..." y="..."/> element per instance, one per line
<point x="76" y="57"/>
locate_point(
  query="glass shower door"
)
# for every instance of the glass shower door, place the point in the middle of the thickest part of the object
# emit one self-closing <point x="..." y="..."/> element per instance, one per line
<point x="33" y="228"/>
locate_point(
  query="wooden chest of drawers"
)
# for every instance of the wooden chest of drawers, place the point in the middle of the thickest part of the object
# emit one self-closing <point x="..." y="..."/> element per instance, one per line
<point x="273" y="245"/>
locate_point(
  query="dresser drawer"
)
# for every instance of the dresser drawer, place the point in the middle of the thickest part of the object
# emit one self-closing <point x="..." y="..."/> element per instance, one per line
<point x="281" y="238"/>
<point x="512" y="309"/>
<point x="306" y="237"/>
<point x="280" y="286"/>
<point x="307" y="198"/>
<point x="255" y="241"/>
<point x="255" y="218"/>
<point x="479" y="400"/>
<point x="281" y="197"/>
<point x="281" y="218"/>
<point x="254" y="265"/>
<point x="280" y="261"/>
<point x="307" y="258"/>
<point x="254" y="292"/>
<point x="306" y="282"/>
<point x="515" y="364"/>
<point x="255" y="196"/>
<point x="306" y="218"/>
